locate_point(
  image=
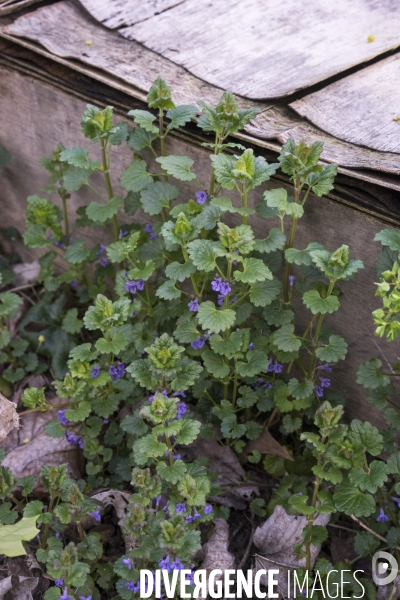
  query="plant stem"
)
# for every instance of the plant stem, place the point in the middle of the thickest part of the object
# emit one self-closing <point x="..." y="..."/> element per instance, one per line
<point x="17" y="502"/>
<point x="47" y="525"/>
<point x="318" y="331"/>
<point x="310" y="518"/>
<point x="290" y="243"/>
<point x="109" y="186"/>
<point x="212" y="180"/>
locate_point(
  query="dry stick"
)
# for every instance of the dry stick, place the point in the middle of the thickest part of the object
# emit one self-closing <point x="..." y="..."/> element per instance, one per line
<point x="380" y="537"/>
<point x="246" y="554"/>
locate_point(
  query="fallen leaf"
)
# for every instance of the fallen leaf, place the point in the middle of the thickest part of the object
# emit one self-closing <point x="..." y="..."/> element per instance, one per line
<point x="275" y="540"/>
<point x="18" y="588"/>
<point x="26" y="273"/>
<point x="12" y="536"/>
<point x="390" y="591"/>
<point x="266" y="444"/>
<point x="119" y="500"/>
<point x="215" y="552"/>
<point x="223" y="461"/>
<point x="8" y="417"/>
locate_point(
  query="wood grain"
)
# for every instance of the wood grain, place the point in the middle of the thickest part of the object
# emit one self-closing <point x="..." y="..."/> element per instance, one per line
<point x="281" y="123"/>
<point x="360" y="108"/>
<point x="63" y="29"/>
<point x="7" y="9"/>
<point x="115" y="13"/>
<point x="261" y="49"/>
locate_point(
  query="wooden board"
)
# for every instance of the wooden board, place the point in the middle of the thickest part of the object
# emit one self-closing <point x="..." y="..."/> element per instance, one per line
<point x="63" y="29"/>
<point x="7" y="7"/>
<point x="265" y="49"/>
<point x="281" y="123"/>
<point x="115" y="13"/>
<point x="360" y="108"/>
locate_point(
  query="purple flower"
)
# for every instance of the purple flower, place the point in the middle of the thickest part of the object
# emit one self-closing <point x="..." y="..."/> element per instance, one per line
<point x="134" y="286"/>
<point x="149" y="229"/>
<point x="190" y="578"/>
<point x="216" y="283"/>
<point x="207" y="509"/>
<point x="292" y="279"/>
<point x="274" y="367"/>
<point x="132" y="586"/>
<point x="182" y="409"/>
<point x="196" y="515"/>
<point x="189" y="519"/>
<point x="58" y="184"/>
<point x="158" y="500"/>
<point x="74" y="284"/>
<point x="101" y="250"/>
<point x="225" y="288"/>
<point x="199" y="343"/>
<point x="326" y="367"/>
<point x="58" y="535"/>
<point x="175" y="394"/>
<point x="106" y="421"/>
<point x="267" y="384"/>
<point x="397" y="500"/>
<point x="65" y="595"/>
<point x="193" y="305"/>
<point x="164" y="563"/>
<point x="74" y="439"/>
<point x="96" y="515"/>
<point x="382" y="517"/>
<point x="122" y="234"/>
<point x="127" y="562"/>
<point x="85" y="597"/>
<point x="319" y="391"/>
<point x="61" y="417"/>
<point x="59" y="582"/>
<point x="118" y="371"/>
<point x="201" y="197"/>
<point x="104" y="261"/>
<point x="95" y="372"/>
<point x="177" y="565"/>
<point x="180" y="507"/>
<point x="251" y="346"/>
<point x="324" y="382"/>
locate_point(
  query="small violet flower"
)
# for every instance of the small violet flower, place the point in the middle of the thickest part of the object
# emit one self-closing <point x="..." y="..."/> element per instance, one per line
<point x="74" y="284"/>
<point x="104" y="261"/>
<point x="292" y="279"/>
<point x="182" y="409"/>
<point x="61" y="417"/>
<point x="199" y="343"/>
<point x="134" y="286"/>
<point x="207" y="509"/>
<point x="201" y="197"/>
<point x="59" y="582"/>
<point x="96" y="515"/>
<point x="223" y="287"/>
<point x="177" y="565"/>
<point x="149" y="229"/>
<point x="193" y="305"/>
<point x="122" y="234"/>
<point x="65" y="595"/>
<point x="324" y="382"/>
<point x="74" y="439"/>
<point x="132" y="586"/>
<point x="326" y="367"/>
<point x="382" y="517"/>
<point x="95" y="372"/>
<point x="180" y="507"/>
<point x="165" y="563"/>
<point x="85" y="597"/>
<point x="118" y="371"/>
<point x="127" y="562"/>
<point x="397" y="500"/>
<point x="319" y="391"/>
<point x="101" y="250"/>
<point x="106" y="421"/>
<point x="251" y="346"/>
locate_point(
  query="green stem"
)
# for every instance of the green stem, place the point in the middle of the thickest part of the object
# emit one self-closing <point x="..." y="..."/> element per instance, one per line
<point x="212" y="180"/>
<point x="290" y="244"/>
<point x="150" y="307"/>
<point x="192" y="277"/>
<point x="110" y="193"/>
<point x="318" y="331"/>
<point x="17" y="502"/>
<point x="310" y="518"/>
<point x="47" y="525"/>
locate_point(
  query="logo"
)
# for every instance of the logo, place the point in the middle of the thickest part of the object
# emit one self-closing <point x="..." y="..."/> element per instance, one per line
<point x="384" y="568"/>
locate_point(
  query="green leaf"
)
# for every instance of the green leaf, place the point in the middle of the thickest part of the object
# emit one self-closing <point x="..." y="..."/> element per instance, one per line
<point x="150" y="447"/>
<point x="351" y="501"/>
<point x="134" y="425"/>
<point x="393" y="463"/>
<point x="168" y="291"/>
<point x="285" y="339"/>
<point x="84" y="352"/>
<point x="334" y="351"/>
<point x="144" y="119"/>
<point x="9" y="303"/>
<point x="225" y="204"/>
<point x="276" y="240"/>
<point x="76" y="252"/>
<point x="34" y="398"/>
<point x="5" y="157"/>
<point x="186" y="331"/>
<point x="370" y="376"/>
<point x="181" y="115"/>
<point x="321" y="182"/>
<point x="78" y="157"/>
<point x="12" y="536"/>
<point x="79" y="413"/>
<point x="141" y="371"/>
<point x="189" y="431"/>
<point x="140" y="138"/>
<point x="204" y="253"/>
<point x="7" y="516"/>
<point x="263" y="293"/>
<point x="213" y="319"/>
<point x="367" y="436"/>
<point x="135" y="178"/>
<point x="333" y="474"/>
<point x="71" y="323"/>
<point x="171" y="474"/>
<point x="371" y="481"/>
<point x="33" y="509"/>
<point x="392" y="537"/>
<point x="365" y="543"/>
<point x="100" y="213"/>
<point x="227" y="347"/>
<point x="143" y="272"/>
<point x="157" y="196"/>
<point x="118" y="342"/>
<point x="317" y="304"/>
<point x="256" y="363"/>
<point x="248" y="397"/>
<point x="230" y="428"/>
<point x="223" y="166"/>
<point x="326" y="505"/>
<point x="254" y="270"/>
<point x="177" y="166"/>
<point x="390" y="238"/>
<point x="215" y="364"/>
<point x="159" y="95"/>
<point x="74" y="178"/>
<point x="35" y="237"/>
<point x="300" y="390"/>
<point x="187" y="373"/>
<point x="179" y="272"/>
<point x="300" y="504"/>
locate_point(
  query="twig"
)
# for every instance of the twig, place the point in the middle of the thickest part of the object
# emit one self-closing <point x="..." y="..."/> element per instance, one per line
<point x="246" y="554"/>
<point x="380" y="537"/>
<point x="341" y="527"/>
<point x="22" y="287"/>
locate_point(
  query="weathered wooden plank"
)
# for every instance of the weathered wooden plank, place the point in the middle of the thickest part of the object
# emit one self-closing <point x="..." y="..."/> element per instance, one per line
<point x="262" y="49"/>
<point x="8" y="7"/>
<point x="115" y="13"/>
<point x="360" y="108"/>
<point x="281" y="123"/>
<point x="63" y="29"/>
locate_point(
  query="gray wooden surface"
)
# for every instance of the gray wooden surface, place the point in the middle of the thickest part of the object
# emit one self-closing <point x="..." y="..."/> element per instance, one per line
<point x="7" y="7"/>
<point x="264" y="49"/>
<point x="54" y="117"/>
<point x="116" y="13"/>
<point x="281" y="123"/>
<point x="360" y="108"/>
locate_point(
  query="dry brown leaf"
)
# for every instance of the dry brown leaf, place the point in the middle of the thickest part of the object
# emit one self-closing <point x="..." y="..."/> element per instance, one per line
<point x="266" y="444"/>
<point x="390" y="591"/>
<point x="275" y="541"/>
<point x="215" y="552"/>
<point x="119" y="500"/>
<point x="26" y="273"/>
<point x="8" y="417"/>
<point x="223" y="461"/>
<point x="18" y="588"/>
<point x="29" y="448"/>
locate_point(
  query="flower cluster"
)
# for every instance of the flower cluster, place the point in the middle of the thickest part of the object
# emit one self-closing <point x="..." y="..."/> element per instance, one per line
<point x="221" y="286"/>
<point x="117" y="371"/>
<point x="133" y="286"/>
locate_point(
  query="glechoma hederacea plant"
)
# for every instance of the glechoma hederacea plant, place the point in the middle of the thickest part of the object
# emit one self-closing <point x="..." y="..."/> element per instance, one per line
<point x="186" y="321"/>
